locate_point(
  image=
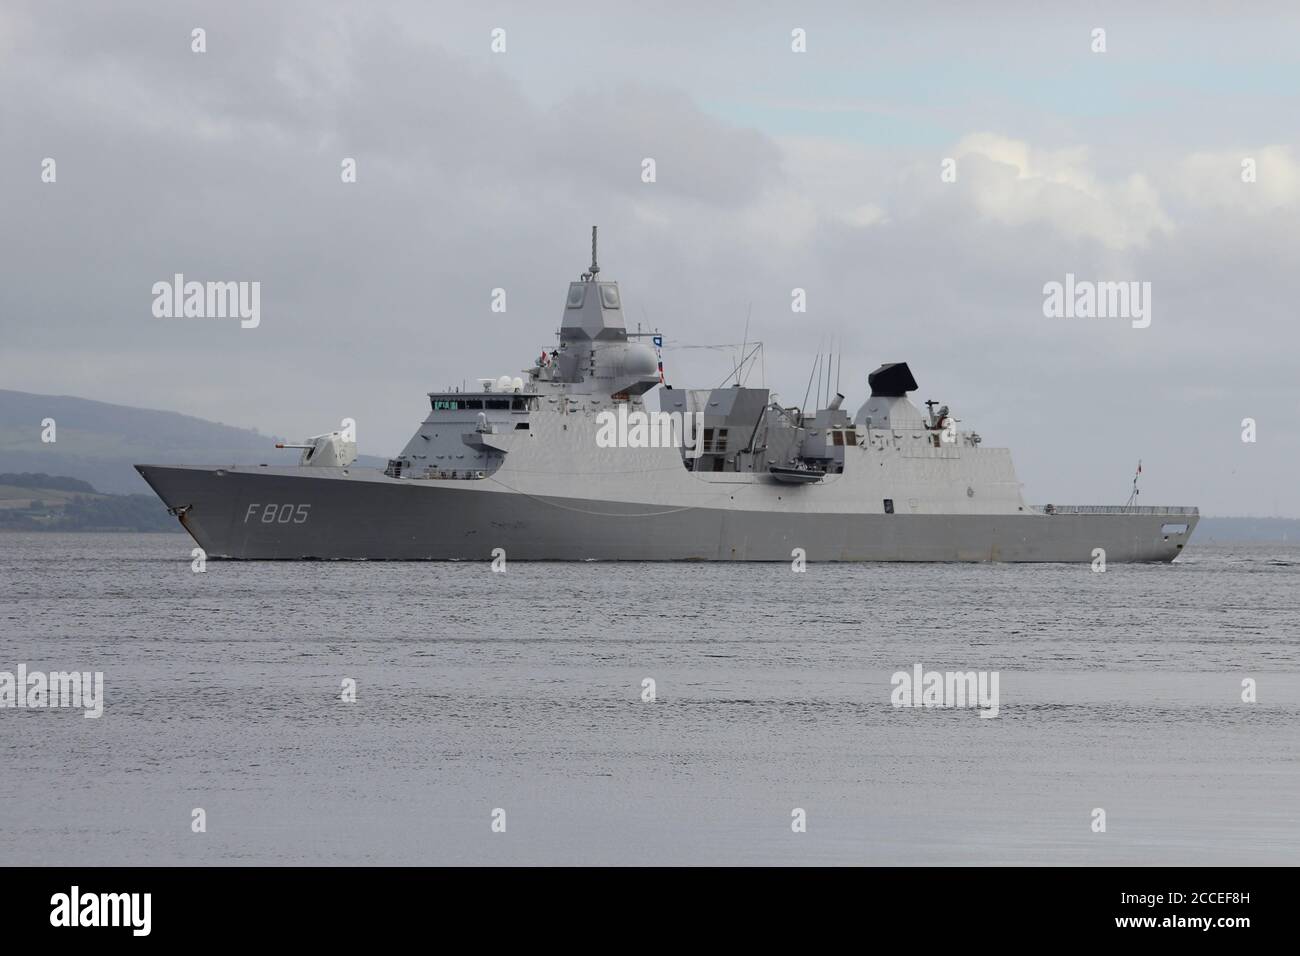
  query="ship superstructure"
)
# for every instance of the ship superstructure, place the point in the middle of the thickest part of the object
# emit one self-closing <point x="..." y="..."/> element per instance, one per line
<point x="545" y="466"/>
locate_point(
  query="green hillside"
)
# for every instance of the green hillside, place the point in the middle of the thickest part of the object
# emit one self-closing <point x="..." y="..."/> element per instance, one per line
<point x="40" y="502"/>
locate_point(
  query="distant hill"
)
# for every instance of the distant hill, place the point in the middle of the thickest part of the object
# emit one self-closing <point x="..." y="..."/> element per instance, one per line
<point x="37" y="502"/>
<point x="53" y="482"/>
<point x="98" y="442"/>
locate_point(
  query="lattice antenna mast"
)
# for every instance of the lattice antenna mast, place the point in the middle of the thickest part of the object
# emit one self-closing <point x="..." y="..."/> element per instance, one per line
<point x="1133" y="496"/>
<point x="595" y="269"/>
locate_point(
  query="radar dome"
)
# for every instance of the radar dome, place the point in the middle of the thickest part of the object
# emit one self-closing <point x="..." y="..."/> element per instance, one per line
<point x="630" y="359"/>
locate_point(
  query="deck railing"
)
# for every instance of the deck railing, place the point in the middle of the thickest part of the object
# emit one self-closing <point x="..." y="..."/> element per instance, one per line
<point x="1119" y="510"/>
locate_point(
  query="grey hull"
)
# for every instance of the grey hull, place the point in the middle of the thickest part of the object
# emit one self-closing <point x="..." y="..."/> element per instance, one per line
<point x="359" y="514"/>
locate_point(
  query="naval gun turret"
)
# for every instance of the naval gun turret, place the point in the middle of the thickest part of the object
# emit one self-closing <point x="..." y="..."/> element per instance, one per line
<point x="331" y="450"/>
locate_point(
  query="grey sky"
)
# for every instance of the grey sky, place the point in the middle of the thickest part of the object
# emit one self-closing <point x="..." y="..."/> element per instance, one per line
<point x="775" y="170"/>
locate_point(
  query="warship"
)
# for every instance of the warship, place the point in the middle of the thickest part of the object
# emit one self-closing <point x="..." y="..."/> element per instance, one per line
<point x="569" y="462"/>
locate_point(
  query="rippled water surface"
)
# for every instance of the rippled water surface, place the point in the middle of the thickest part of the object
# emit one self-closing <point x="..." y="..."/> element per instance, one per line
<point x="523" y="691"/>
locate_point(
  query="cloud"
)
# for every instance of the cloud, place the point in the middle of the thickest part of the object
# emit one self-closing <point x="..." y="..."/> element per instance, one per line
<point x="1012" y="182"/>
<point x="478" y="172"/>
<point x="1215" y="180"/>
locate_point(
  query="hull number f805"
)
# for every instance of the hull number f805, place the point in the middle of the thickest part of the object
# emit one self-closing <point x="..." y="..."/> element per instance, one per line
<point x="277" y="514"/>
